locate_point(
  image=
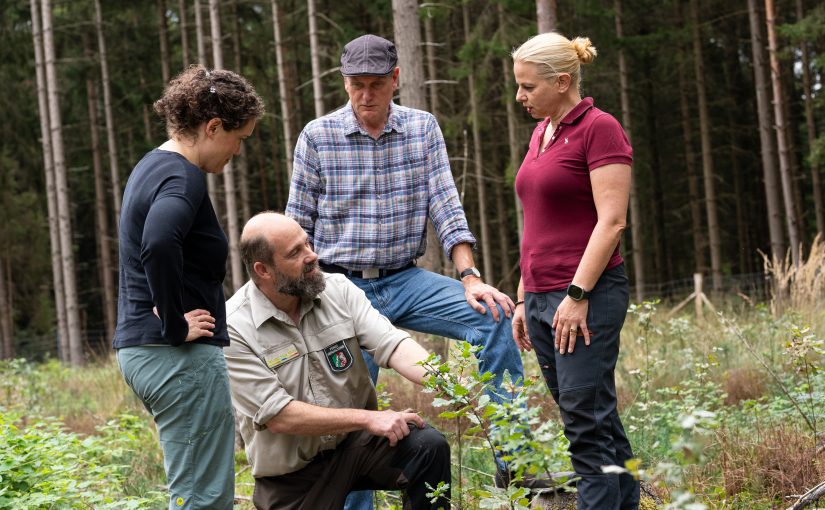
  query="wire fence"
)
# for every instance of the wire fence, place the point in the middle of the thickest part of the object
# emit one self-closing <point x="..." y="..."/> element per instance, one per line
<point x="753" y="286"/>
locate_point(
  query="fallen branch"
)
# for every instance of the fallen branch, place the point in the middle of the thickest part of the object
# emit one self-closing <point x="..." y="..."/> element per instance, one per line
<point x="812" y="496"/>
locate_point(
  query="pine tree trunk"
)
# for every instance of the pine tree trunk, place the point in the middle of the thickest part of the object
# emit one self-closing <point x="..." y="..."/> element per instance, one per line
<point x="407" y="32"/>
<point x="785" y="169"/>
<point x="487" y="256"/>
<point x="286" y="110"/>
<point x="707" y="156"/>
<point x="432" y="66"/>
<point x="315" y="59"/>
<point x="505" y="261"/>
<point x="243" y="165"/>
<point x="76" y="355"/>
<point x="767" y="141"/>
<point x="111" y="140"/>
<point x="7" y="343"/>
<point x="807" y="91"/>
<point x="546" y="15"/>
<point x="51" y="189"/>
<point x="638" y="254"/>
<point x="734" y="85"/>
<point x="662" y="260"/>
<point x="211" y="179"/>
<point x="102" y="236"/>
<point x="233" y="231"/>
<point x="184" y="33"/>
<point x="163" y="36"/>
<point x="513" y="142"/>
<point x="700" y="240"/>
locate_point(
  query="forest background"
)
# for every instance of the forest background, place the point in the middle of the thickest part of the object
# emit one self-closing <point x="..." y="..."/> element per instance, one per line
<point x="727" y="147"/>
<point x="722" y="102"/>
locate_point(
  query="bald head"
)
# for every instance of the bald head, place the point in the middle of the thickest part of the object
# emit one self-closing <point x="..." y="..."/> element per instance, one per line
<point x="259" y="237"/>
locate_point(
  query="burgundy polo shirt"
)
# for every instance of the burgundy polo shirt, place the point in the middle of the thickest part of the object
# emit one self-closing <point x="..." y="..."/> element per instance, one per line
<point x="554" y="187"/>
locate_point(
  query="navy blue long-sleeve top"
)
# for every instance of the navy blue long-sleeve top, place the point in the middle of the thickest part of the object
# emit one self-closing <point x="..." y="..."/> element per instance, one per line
<point x="172" y="254"/>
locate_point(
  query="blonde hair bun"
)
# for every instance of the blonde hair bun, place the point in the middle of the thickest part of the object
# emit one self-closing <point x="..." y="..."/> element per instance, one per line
<point x="584" y="49"/>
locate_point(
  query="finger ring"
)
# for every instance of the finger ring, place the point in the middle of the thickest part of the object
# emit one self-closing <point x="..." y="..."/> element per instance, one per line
<point x="572" y="330"/>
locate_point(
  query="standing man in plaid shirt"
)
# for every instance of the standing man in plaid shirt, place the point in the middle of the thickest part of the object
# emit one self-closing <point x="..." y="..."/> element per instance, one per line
<point x="365" y="179"/>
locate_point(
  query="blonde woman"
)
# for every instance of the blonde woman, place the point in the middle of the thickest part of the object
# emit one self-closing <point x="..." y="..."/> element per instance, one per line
<point x="574" y="184"/>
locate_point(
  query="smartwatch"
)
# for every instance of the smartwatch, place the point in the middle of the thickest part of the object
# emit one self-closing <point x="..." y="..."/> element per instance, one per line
<point x="577" y="293"/>
<point x="470" y="271"/>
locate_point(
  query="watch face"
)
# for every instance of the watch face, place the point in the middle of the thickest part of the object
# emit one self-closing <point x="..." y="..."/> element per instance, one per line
<point x="575" y="292"/>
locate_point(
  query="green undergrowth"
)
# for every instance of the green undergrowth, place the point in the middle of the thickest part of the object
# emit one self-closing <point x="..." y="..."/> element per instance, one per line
<point x="726" y="412"/>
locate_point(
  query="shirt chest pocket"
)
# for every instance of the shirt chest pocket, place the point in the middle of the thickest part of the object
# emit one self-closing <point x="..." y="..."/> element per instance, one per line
<point x="337" y="373"/>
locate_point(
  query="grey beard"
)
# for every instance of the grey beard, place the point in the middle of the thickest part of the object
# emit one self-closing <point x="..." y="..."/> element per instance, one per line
<point x="306" y="287"/>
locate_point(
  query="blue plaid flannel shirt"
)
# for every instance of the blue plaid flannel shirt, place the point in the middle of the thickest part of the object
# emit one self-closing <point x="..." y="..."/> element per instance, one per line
<point x="363" y="202"/>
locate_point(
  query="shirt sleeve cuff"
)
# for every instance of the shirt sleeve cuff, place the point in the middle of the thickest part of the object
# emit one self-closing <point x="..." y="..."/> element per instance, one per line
<point x="382" y="354"/>
<point x="270" y="409"/>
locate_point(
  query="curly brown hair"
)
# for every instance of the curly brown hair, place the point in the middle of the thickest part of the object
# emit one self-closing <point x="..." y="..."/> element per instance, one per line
<point x="198" y="95"/>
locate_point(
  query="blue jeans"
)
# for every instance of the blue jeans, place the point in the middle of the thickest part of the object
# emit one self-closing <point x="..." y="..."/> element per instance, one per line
<point x="584" y="387"/>
<point x="186" y="389"/>
<point x="431" y="303"/>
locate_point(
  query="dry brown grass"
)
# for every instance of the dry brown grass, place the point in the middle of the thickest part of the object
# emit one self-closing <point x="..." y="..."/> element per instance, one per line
<point x="778" y="461"/>
<point x="799" y="287"/>
<point x="744" y="384"/>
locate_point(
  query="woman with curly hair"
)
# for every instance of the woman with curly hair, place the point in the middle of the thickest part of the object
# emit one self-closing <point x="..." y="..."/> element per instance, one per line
<point x="171" y="324"/>
<point x="573" y="294"/>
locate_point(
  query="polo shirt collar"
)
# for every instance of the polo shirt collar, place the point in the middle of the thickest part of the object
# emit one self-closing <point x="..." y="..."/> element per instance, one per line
<point x="352" y="126"/>
<point x="577" y="111"/>
<point x="262" y="308"/>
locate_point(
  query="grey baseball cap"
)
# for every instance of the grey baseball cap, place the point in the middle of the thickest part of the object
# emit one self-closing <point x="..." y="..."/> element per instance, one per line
<point x="368" y="55"/>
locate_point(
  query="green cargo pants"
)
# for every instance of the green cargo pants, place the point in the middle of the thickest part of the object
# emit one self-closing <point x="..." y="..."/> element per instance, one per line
<point x="186" y="389"/>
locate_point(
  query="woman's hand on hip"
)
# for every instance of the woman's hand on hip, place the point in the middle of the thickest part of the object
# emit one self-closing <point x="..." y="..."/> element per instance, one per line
<point x="520" y="334"/>
<point x="569" y="322"/>
<point x="200" y="324"/>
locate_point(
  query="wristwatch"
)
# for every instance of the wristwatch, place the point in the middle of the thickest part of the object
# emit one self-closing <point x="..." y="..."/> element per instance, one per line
<point x="470" y="271"/>
<point x="577" y="293"/>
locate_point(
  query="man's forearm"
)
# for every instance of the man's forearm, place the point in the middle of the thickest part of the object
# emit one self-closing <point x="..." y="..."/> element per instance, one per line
<point x="462" y="255"/>
<point x="300" y="418"/>
<point x="405" y="359"/>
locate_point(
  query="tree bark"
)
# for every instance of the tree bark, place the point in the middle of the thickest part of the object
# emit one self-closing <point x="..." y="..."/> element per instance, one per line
<point x="785" y="169"/>
<point x="513" y="142"/>
<point x="407" y="31"/>
<point x="662" y="260"/>
<point x="243" y="164"/>
<point x="184" y="33"/>
<point x="108" y="115"/>
<point x="707" y="156"/>
<point x="700" y="241"/>
<point x="163" y="36"/>
<point x="286" y="110"/>
<point x="807" y="91"/>
<point x="76" y="356"/>
<point x="102" y="236"/>
<point x="315" y="59"/>
<point x="7" y="344"/>
<point x="767" y="141"/>
<point x="487" y="257"/>
<point x="638" y="254"/>
<point x="546" y="15"/>
<point x="233" y="232"/>
<point x="51" y="188"/>
<point x="211" y="179"/>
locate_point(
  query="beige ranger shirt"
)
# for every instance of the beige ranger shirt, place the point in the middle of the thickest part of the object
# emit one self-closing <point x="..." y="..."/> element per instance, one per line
<point x="272" y="361"/>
